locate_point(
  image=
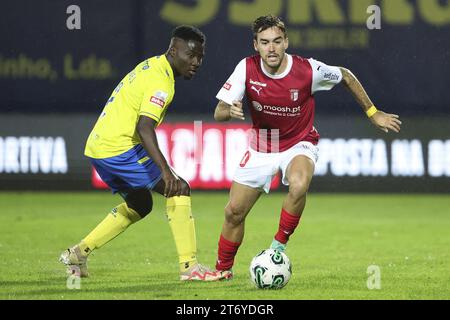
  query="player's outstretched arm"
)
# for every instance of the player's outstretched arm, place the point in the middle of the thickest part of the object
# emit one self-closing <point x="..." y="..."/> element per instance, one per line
<point x="146" y="131"/>
<point x="384" y="121"/>
<point x="225" y="112"/>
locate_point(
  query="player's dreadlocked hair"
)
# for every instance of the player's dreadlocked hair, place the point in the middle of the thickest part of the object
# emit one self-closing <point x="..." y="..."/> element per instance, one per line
<point x="266" y="22"/>
<point x="188" y="33"/>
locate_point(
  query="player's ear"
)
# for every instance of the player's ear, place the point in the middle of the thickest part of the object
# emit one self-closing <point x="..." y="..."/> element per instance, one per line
<point x="255" y="44"/>
<point x="173" y="47"/>
<point x="286" y="43"/>
<point x="173" y="51"/>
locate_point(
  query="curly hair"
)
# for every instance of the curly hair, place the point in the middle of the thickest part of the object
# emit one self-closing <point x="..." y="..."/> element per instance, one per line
<point x="188" y="33"/>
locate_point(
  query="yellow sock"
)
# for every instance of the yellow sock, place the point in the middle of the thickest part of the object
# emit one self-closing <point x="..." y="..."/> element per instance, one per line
<point x="183" y="229"/>
<point x="115" y="223"/>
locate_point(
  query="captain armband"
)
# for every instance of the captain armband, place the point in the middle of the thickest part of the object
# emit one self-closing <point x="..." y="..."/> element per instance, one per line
<point x="372" y="110"/>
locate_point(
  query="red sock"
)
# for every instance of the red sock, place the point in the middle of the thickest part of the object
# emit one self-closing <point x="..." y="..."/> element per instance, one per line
<point x="288" y="223"/>
<point x="227" y="251"/>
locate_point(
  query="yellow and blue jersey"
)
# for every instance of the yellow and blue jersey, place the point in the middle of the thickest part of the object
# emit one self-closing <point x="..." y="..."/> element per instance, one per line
<point x="147" y="91"/>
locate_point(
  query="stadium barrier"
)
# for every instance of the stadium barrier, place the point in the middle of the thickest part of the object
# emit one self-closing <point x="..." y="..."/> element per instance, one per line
<point x="46" y="153"/>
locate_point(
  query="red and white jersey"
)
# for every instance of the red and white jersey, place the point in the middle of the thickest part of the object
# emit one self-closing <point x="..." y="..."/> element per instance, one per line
<point x="282" y="105"/>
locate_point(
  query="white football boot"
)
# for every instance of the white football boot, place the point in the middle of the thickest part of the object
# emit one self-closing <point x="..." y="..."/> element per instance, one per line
<point x="75" y="262"/>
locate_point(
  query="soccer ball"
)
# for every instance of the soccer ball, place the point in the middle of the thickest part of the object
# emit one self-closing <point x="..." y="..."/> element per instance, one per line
<point x="270" y="269"/>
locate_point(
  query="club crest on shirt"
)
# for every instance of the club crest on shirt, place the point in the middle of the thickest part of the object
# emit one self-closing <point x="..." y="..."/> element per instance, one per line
<point x="294" y="94"/>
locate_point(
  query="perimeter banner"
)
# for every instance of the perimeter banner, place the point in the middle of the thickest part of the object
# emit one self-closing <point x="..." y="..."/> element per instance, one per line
<point x="46" y="153"/>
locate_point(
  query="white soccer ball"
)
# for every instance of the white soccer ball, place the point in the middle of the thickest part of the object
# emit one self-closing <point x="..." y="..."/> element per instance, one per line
<point x="270" y="269"/>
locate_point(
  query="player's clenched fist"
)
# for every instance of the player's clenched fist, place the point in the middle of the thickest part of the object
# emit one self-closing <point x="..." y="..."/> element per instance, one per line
<point x="236" y="110"/>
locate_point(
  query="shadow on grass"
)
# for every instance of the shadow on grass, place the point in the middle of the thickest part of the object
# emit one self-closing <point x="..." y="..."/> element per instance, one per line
<point x="26" y="283"/>
<point x="154" y="291"/>
<point x="101" y="289"/>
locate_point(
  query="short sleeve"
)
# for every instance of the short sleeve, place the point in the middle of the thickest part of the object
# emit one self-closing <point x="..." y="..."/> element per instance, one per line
<point x="234" y="87"/>
<point x="155" y="101"/>
<point x="325" y="77"/>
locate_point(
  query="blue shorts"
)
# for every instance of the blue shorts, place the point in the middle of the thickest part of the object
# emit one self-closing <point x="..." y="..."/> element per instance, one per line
<point x="133" y="169"/>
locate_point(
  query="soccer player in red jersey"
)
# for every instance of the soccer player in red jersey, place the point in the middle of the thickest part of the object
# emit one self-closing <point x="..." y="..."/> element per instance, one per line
<point x="280" y="89"/>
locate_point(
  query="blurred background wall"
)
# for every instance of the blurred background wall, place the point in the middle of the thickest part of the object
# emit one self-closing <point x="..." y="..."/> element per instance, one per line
<point x="54" y="82"/>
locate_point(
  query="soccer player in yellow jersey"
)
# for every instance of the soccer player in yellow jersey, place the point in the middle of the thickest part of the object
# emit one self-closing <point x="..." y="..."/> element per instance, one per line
<point x="124" y="150"/>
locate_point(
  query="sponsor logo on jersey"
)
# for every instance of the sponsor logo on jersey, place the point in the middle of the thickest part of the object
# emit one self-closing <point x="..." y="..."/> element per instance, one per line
<point x="257" y="91"/>
<point x="258" y="83"/>
<point x="331" y="76"/>
<point x="289" y="110"/>
<point x="159" y="98"/>
<point x="227" y="86"/>
<point x="257" y="106"/>
<point x="294" y="94"/>
<point x="158" y="101"/>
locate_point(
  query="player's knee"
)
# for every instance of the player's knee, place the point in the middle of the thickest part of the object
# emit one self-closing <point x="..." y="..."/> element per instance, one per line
<point x="141" y="202"/>
<point x="298" y="188"/>
<point x="185" y="188"/>
<point x="142" y="208"/>
<point x="234" y="214"/>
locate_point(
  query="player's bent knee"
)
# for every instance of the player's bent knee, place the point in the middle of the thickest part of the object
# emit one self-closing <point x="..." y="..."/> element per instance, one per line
<point x="185" y="188"/>
<point x="143" y="209"/>
<point x="141" y="202"/>
<point x="298" y="189"/>
<point x="234" y="214"/>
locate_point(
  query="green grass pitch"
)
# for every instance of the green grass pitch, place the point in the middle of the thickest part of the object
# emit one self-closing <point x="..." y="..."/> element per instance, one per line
<point x="340" y="236"/>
